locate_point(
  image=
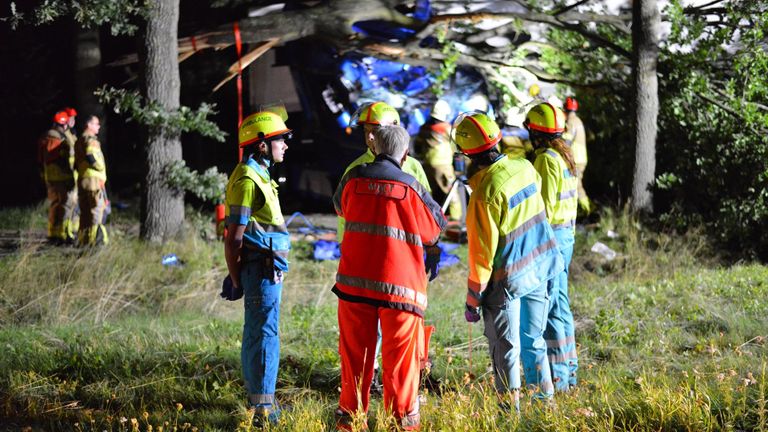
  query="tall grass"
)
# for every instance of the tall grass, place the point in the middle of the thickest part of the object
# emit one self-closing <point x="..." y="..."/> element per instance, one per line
<point x="669" y="339"/>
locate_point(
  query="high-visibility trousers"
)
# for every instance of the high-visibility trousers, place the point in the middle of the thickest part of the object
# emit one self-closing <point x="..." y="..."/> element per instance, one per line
<point x="560" y="333"/>
<point x="514" y="328"/>
<point x="92" y="207"/>
<point x="63" y="198"/>
<point x="401" y="348"/>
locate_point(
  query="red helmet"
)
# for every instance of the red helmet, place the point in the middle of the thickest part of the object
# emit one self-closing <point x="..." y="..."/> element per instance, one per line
<point x="61" y="118"/>
<point x="70" y="111"/>
<point x="571" y="104"/>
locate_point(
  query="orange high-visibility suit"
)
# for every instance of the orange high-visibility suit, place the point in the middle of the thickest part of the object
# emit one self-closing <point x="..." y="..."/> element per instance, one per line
<point x="390" y="219"/>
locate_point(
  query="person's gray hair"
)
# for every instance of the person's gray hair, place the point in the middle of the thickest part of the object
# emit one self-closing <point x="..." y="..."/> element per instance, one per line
<point x="392" y="141"/>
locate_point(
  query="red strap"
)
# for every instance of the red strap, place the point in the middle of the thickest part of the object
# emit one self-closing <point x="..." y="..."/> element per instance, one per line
<point x="239" y="49"/>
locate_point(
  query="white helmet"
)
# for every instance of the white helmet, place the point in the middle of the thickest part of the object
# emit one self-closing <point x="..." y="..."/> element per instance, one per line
<point x="441" y="110"/>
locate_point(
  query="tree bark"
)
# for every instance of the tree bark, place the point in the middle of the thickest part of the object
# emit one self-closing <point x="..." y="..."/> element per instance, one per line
<point x="88" y="79"/>
<point x="162" y="208"/>
<point x="646" y="21"/>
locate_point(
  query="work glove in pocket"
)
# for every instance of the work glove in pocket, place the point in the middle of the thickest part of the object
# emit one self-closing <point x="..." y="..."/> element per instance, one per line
<point x="229" y="291"/>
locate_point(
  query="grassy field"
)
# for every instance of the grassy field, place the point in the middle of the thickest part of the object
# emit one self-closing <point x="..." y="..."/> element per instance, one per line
<point x="670" y="338"/>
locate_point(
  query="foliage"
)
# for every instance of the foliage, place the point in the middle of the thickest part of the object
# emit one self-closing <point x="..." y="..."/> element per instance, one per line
<point x="668" y="340"/>
<point x="153" y="115"/>
<point x="209" y="186"/>
<point x="448" y="66"/>
<point x="712" y="147"/>
<point x="89" y="13"/>
<point x="716" y="124"/>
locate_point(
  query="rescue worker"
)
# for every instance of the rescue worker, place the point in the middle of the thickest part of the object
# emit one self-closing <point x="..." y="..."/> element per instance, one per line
<point x="256" y="250"/>
<point x="512" y="254"/>
<point x="92" y="177"/>
<point x="433" y="147"/>
<point x="56" y="154"/>
<point x="382" y="277"/>
<point x="554" y="163"/>
<point x="576" y="138"/>
<point x="372" y="116"/>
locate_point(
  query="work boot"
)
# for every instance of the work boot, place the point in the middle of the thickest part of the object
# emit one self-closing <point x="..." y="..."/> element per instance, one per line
<point x="265" y="414"/>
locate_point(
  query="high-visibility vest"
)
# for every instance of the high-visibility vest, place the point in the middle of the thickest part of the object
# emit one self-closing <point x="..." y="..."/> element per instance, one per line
<point x="390" y="218"/>
<point x="511" y="245"/>
<point x="88" y="145"/>
<point x="576" y="137"/>
<point x="410" y="166"/>
<point x="433" y="144"/>
<point x="55" y="153"/>
<point x="266" y="225"/>
<point x="559" y="188"/>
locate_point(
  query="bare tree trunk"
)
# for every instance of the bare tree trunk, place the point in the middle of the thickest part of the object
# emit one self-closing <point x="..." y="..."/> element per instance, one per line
<point x="645" y="49"/>
<point x="162" y="208"/>
<point x="88" y="79"/>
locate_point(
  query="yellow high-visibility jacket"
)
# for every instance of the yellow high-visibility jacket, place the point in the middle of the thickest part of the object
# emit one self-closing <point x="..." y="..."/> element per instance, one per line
<point x="558" y="188"/>
<point x="410" y="166"/>
<point x="89" y="160"/>
<point x="511" y="244"/>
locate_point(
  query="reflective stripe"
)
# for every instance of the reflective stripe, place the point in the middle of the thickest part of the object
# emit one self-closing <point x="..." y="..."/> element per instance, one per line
<point x="568" y="224"/>
<point x="383" y="230"/>
<point x="261" y="399"/>
<point x="521" y="263"/>
<point x="241" y="211"/>
<point x="474" y="294"/>
<point x="557" y="343"/>
<point x="522" y="195"/>
<point x="384" y="287"/>
<point x="568" y="194"/>
<point x="567" y="173"/>
<point x="519" y="231"/>
<point x="562" y="358"/>
<point x="552" y="153"/>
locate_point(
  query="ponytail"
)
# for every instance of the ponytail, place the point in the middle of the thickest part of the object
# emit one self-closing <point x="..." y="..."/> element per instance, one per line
<point x="559" y="145"/>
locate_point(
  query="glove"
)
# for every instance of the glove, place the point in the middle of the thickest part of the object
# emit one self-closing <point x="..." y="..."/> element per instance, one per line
<point x="229" y="291"/>
<point x="472" y="314"/>
<point x="432" y="263"/>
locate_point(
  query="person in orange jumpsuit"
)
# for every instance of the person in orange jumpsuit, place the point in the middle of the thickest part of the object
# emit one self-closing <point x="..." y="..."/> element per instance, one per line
<point x="391" y="220"/>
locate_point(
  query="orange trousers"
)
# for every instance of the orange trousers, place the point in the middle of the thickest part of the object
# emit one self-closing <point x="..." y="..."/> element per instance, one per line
<point x="402" y="336"/>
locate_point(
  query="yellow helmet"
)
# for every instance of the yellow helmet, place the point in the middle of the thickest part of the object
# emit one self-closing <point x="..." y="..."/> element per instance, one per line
<point x="545" y="118"/>
<point x="261" y="126"/>
<point x="475" y="132"/>
<point x="375" y="113"/>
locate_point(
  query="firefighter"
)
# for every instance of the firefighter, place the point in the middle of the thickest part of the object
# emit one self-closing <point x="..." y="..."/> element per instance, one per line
<point x="576" y="138"/>
<point x="512" y="254"/>
<point x="256" y="250"/>
<point x="434" y="148"/>
<point x="56" y="152"/>
<point x="372" y="116"/>
<point x="391" y="220"/>
<point x="555" y="164"/>
<point x="92" y="177"/>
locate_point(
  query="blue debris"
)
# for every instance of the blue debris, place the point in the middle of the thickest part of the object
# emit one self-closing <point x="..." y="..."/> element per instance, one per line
<point x="326" y="250"/>
<point x="171" y="260"/>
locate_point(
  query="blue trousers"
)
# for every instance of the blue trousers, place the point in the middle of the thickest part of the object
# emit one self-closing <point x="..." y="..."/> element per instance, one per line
<point x="512" y="326"/>
<point x="260" y="353"/>
<point x="560" y="335"/>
